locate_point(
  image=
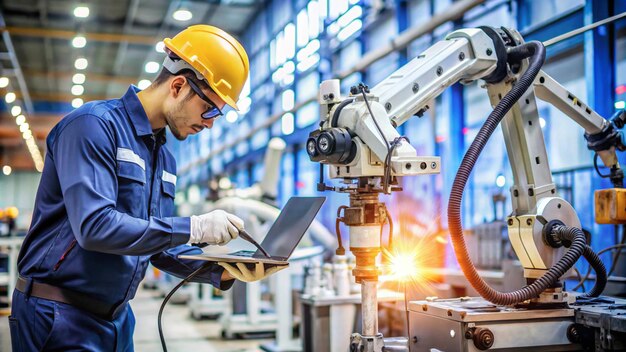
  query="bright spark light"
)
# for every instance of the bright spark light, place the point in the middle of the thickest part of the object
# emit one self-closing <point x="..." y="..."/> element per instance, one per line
<point x="403" y="265"/>
<point x="412" y="260"/>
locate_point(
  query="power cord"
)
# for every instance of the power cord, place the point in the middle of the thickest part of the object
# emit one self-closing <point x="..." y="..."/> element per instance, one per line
<point x="581" y="283"/>
<point x="390" y="148"/>
<point x="169" y="295"/>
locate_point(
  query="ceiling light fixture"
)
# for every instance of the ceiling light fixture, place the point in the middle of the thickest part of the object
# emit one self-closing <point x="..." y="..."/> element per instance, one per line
<point x="9" y="97"/>
<point x="19" y="120"/>
<point x="79" y="41"/>
<point x="4" y="82"/>
<point x="81" y="11"/>
<point x="6" y="170"/>
<point x="143" y="84"/>
<point x="160" y="47"/>
<point x="182" y="15"/>
<point x="77" y="103"/>
<point x="152" y="67"/>
<point x="16" y="110"/>
<point x="81" y="63"/>
<point x="78" y="78"/>
<point x="77" y="89"/>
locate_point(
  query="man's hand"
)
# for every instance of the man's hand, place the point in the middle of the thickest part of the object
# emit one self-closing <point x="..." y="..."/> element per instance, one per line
<point x="217" y="227"/>
<point x="250" y="272"/>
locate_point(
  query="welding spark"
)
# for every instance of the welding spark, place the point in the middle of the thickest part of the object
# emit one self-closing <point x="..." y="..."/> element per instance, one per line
<point x="410" y="262"/>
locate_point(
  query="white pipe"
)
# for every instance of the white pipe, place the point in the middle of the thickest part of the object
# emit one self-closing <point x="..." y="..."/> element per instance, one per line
<point x="273" y="155"/>
<point x="369" y="310"/>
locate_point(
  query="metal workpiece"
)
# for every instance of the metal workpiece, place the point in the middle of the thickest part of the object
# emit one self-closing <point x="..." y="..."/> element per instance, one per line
<point x="364" y="218"/>
<point x="364" y="210"/>
<point x="473" y="324"/>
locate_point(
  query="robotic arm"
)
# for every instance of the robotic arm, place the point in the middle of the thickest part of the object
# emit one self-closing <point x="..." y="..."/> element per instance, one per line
<point x="358" y="141"/>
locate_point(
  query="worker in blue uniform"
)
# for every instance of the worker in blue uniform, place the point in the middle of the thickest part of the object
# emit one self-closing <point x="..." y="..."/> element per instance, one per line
<point x="105" y="203"/>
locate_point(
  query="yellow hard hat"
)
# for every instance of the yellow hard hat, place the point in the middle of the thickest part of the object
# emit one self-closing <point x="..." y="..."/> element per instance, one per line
<point x="216" y="55"/>
<point x="12" y="212"/>
<point x="1" y="213"/>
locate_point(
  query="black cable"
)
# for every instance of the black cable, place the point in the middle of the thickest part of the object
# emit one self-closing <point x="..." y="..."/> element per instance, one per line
<point x="390" y="241"/>
<point x="362" y="88"/>
<point x="335" y="118"/>
<point x="367" y="104"/>
<point x="169" y="295"/>
<point x="595" y="165"/>
<point x="582" y="282"/>
<point x="387" y="165"/>
<point x="537" y="53"/>
<point x="619" y="251"/>
<point x="598" y="266"/>
<point x="579" y="276"/>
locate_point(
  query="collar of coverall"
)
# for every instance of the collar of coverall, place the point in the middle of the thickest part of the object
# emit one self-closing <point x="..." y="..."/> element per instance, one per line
<point x="138" y="117"/>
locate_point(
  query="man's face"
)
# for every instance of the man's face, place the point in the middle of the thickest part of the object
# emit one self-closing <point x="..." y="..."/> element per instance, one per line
<point x="184" y="117"/>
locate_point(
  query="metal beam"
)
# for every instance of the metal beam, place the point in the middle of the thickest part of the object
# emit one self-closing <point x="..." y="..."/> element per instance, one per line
<point x="91" y="76"/>
<point x="40" y="125"/>
<point x="6" y="37"/>
<point x="68" y="35"/>
<point x="19" y="159"/>
<point x="63" y="97"/>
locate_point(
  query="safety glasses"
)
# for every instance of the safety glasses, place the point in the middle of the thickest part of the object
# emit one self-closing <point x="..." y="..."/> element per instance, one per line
<point x="213" y="111"/>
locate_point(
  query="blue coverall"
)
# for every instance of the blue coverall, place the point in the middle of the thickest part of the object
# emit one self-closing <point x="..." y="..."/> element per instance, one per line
<point x="103" y="211"/>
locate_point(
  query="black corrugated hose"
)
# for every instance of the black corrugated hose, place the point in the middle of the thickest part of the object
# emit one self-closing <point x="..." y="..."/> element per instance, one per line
<point x="600" y="269"/>
<point x="566" y="234"/>
<point x="537" y="53"/>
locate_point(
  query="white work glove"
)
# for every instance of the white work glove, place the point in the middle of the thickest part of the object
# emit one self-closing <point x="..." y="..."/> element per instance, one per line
<point x="251" y="272"/>
<point x="217" y="227"/>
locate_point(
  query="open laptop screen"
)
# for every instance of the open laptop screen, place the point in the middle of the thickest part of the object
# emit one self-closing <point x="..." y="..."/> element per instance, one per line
<point x="288" y="229"/>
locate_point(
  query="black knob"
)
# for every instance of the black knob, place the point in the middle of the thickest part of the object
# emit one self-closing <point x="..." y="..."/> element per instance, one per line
<point x="573" y="335"/>
<point x="483" y="338"/>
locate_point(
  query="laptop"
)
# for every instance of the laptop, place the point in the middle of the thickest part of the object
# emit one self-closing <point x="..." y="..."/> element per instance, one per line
<point x="282" y="238"/>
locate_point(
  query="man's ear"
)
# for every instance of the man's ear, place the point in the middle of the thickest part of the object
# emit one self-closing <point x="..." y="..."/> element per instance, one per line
<point x="176" y="85"/>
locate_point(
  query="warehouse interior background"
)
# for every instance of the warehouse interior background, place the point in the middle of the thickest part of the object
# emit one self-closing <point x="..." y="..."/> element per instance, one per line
<point x="56" y="55"/>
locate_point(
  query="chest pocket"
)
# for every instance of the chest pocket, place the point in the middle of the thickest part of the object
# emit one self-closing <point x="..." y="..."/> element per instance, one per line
<point x="168" y="189"/>
<point x="131" y="183"/>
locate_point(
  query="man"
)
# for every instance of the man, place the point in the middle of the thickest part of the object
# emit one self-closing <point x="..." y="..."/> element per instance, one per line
<point x="106" y="198"/>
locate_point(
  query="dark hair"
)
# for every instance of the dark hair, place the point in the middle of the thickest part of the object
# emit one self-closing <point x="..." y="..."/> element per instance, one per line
<point x="164" y="75"/>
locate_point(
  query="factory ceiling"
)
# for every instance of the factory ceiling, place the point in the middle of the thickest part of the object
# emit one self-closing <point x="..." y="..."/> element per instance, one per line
<point x="39" y="52"/>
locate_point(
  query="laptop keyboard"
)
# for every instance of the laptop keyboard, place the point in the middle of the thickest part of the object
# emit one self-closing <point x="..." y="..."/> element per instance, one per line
<point x="244" y="253"/>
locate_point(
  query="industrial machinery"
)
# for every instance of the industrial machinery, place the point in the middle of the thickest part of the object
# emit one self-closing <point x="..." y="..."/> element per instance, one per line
<point x="242" y="310"/>
<point x="361" y="147"/>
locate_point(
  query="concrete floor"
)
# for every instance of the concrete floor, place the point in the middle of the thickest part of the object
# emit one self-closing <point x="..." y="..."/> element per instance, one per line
<point x="182" y="333"/>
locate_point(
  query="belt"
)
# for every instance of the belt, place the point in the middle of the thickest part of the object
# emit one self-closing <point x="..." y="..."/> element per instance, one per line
<point x="79" y="300"/>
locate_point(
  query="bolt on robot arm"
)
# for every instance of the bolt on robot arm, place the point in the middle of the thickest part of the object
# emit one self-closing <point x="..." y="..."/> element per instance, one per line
<point x="357" y="133"/>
